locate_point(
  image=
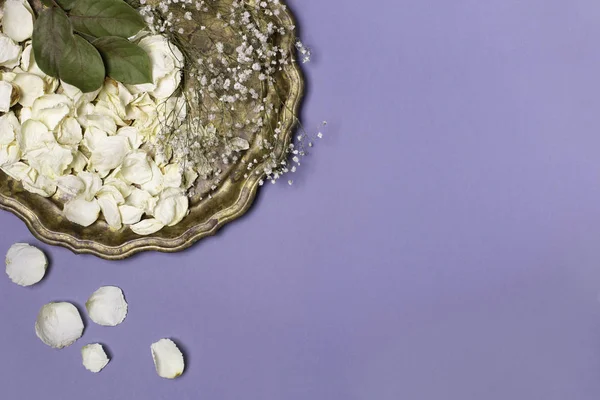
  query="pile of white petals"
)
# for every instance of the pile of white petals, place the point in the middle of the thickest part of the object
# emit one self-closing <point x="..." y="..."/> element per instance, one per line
<point x="92" y="151"/>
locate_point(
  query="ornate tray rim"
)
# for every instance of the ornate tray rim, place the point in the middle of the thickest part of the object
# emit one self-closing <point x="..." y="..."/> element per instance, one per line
<point x="248" y="192"/>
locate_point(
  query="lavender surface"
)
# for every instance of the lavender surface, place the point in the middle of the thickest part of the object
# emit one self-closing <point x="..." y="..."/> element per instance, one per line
<point x="442" y="241"/>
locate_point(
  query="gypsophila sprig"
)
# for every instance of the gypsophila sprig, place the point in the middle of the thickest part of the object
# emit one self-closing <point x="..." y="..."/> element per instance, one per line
<point x="233" y="59"/>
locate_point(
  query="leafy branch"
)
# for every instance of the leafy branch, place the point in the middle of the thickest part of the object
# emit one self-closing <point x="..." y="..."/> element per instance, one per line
<point x="82" y="41"/>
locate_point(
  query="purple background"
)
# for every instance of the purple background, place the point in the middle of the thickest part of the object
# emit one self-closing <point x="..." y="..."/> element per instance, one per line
<point x="441" y="242"/>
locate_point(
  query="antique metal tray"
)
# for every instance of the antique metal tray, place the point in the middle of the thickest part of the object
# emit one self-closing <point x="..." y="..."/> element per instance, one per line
<point x="232" y="198"/>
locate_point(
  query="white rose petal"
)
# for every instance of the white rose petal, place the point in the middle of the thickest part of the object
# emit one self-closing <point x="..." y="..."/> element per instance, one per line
<point x="25" y="264"/>
<point x="20" y="171"/>
<point x="17" y="22"/>
<point x="172" y="206"/>
<point x="25" y="114"/>
<point x="9" y="52"/>
<point x="51" y="109"/>
<point x="107" y="306"/>
<point x="109" y="154"/>
<point x="9" y="154"/>
<point x="79" y="162"/>
<point x="82" y="211"/>
<point x="167" y="85"/>
<point x="110" y="210"/>
<point x="69" y="132"/>
<point x="155" y="185"/>
<point x="136" y="168"/>
<point x="51" y="161"/>
<point x="168" y="359"/>
<point x="132" y="134"/>
<point x="116" y="180"/>
<point x="34" y="135"/>
<point x="71" y="185"/>
<point x="50" y="84"/>
<point x="130" y="215"/>
<point x="147" y="226"/>
<point x="94" y="357"/>
<point x="92" y="182"/>
<point x="59" y="324"/>
<point x="103" y="118"/>
<point x="142" y="200"/>
<point x="6" y="90"/>
<point x="31" y="87"/>
<point x="42" y="186"/>
<point x="172" y="176"/>
<point x="28" y="63"/>
<point x="112" y="191"/>
<point x="165" y="56"/>
<point x="9" y="128"/>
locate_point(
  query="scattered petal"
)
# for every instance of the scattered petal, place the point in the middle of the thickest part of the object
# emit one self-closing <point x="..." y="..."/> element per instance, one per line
<point x="107" y="306"/>
<point x="59" y="325"/>
<point x="168" y="359"/>
<point x="94" y="357"/>
<point x="25" y="264"/>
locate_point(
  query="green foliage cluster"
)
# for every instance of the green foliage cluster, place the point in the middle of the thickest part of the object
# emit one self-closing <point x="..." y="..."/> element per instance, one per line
<point x="82" y="41"/>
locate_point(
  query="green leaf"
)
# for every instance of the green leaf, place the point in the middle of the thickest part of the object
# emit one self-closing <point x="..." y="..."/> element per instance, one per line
<point x="82" y="66"/>
<point x="65" y="4"/>
<point x="51" y="32"/>
<point x="106" y="18"/>
<point x="125" y="62"/>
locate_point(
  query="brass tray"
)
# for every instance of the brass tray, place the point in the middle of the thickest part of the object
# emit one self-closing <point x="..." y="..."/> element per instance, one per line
<point x="233" y="197"/>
